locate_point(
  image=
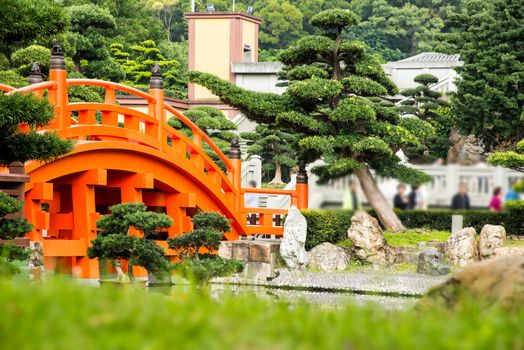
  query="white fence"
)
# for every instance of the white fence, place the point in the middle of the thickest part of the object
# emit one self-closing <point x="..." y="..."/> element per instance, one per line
<point x="480" y="181"/>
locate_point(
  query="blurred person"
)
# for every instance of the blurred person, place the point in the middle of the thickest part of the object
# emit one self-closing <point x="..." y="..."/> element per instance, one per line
<point x="512" y="195"/>
<point x="460" y="199"/>
<point x="351" y="198"/>
<point x="416" y="198"/>
<point x="251" y="199"/>
<point x="401" y="201"/>
<point x="495" y="204"/>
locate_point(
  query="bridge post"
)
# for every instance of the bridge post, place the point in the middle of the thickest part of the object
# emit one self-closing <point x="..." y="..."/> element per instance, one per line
<point x="58" y="96"/>
<point x="235" y="156"/>
<point x="35" y="77"/>
<point x="156" y="89"/>
<point x="302" y="187"/>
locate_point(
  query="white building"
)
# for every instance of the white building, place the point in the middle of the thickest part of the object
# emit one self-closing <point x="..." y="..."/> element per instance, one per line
<point x="438" y="64"/>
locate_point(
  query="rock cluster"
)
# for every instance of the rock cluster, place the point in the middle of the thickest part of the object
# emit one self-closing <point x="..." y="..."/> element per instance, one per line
<point x="292" y="248"/>
<point x="368" y="240"/>
<point x="497" y="280"/>
<point x="328" y="257"/>
<point x="430" y="263"/>
<point x="491" y="238"/>
<point x="462" y="247"/>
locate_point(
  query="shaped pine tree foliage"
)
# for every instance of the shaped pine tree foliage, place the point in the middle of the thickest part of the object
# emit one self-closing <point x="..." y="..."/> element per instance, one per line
<point x="214" y="123"/>
<point x="511" y="159"/>
<point x="115" y="243"/>
<point x="277" y="149"/>
<point x="428" y="105"/>
<point x="208" y="232"/>
<point x="29" y="145"/>
<point x="332" y="103"/>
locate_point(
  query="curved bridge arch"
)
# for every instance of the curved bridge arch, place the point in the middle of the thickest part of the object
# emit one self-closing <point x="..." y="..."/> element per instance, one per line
<point x="125" y="155"/>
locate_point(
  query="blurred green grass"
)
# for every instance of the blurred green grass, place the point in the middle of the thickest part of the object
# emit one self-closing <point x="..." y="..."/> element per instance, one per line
<point x="412" y="237"/>
<point x="62" y="315"/>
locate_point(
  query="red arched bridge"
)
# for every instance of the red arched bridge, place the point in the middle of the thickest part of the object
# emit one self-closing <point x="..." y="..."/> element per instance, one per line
<point x="126" y="155"/>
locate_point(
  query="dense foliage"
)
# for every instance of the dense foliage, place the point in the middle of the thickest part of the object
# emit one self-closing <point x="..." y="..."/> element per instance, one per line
<point x="510" y="159"/>
<point x="194" y="248"/>
<point x="119" y="318"/>
<point x="490" y="99"/>
<point x="333" y="102"/>
<point x="11" y="228"/>
<point x="428" y="105"/>
<point x="115" y="243"/>
<point x="277" y="148"/>
<point x="18" y="145"/>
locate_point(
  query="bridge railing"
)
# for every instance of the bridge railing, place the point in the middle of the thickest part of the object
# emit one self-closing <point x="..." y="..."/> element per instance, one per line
<point x="107" y="121"/>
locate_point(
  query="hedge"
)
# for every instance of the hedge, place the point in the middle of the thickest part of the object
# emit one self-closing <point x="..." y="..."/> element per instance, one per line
<point x="331" y="225"/>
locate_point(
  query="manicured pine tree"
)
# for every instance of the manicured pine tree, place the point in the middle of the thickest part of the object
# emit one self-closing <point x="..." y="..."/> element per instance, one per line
<point x="213" y="122"/>
<point x="426" y="104"/>
<point x="511" y="159"/>
<point x="333" y="84"/>
<point x="194" y="249"/>
<point x="23" y="146"/>
<point x="276" y="148"/>
<point x="115" y="243"/>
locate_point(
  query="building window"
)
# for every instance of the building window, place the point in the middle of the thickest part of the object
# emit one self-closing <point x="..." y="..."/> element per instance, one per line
<point x="247" y="53"/>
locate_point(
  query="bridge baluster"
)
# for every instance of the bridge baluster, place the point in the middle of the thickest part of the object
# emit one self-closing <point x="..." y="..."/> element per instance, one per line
<point x="235" y="157"/>
<point x="156" y="89"/>
<point x="302" y="187"/>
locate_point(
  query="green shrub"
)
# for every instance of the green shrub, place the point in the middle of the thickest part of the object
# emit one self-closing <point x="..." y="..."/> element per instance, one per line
<point x="331" y="225"/>
<point x="326" y="226"/>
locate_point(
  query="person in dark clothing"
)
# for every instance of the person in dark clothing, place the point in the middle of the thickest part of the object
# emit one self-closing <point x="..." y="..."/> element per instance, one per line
<point x="415" y="198"/>
<point x="401" y="201"/>
<point x="461" y="199"/>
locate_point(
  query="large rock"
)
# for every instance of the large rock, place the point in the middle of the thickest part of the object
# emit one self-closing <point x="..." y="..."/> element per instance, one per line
<point x="462" y="247"/>
<point x="368" y="240"/>
<point x="465" y="149"/>
<point x="328" y="257"/>
<point x="509" y="251"/>
<point x="430" y="263"/>
<point x="491" y="238"/>
<point x="292" y="248"/>
<point x="497" y="280"/>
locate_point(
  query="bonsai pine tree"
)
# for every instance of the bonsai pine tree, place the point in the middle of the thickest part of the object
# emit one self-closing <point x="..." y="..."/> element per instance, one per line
<point x="511" y="159"/>
<point x="194" y="249"/>
<point x="11" y="228"/>
<point x="213" y="122"/>
<point x="276" y="147"/>
<point x="332" y="102"/>
<point x="23" y="145"/>
<point x="115" y="243"/>
<point x="426" y="104"/>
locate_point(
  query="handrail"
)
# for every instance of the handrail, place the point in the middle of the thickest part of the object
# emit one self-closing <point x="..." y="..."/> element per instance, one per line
<point x="6" y="88"/>
<point x="97" y="106"/>
<point x="268" y="191"/>
<point x="106" y="84"/>
<point x="35" y="87"/>
<point x="195" y="129"/>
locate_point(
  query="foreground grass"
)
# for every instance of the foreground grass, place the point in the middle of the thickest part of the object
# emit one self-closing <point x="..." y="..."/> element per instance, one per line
<point x="65" y="316"/>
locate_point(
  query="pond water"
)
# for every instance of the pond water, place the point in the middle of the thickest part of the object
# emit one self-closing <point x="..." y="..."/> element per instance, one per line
<point x="320" y="298"/>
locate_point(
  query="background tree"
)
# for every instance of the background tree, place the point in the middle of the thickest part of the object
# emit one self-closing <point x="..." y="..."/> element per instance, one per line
<point x="115" y="243"/>
<point x="24" y="21"/>
<point x="331" y="81"/>
<point x="276" y="148"/>
<point x="425" y="104"/>
<point x="213" y="122"/>
<point x="194" y="249"/>
<point x="137" y="65"/>
<point x="489" y="101"/>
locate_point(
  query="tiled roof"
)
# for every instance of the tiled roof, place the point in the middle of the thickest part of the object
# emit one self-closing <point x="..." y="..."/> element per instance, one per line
<point x="431" y="57"/>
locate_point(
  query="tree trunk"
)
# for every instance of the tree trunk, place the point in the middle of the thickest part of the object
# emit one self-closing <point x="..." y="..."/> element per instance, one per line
<point x="277" y="179"/>
<point x="378" y="202"/>
<point x="130" y="271"/>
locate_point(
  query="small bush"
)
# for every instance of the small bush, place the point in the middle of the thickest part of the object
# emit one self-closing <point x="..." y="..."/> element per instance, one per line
<point x="326" y="226"/>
